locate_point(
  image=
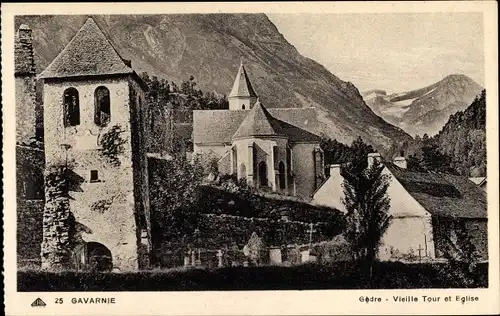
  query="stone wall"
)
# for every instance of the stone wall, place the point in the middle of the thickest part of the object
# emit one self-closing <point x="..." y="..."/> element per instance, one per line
<point x="304" y="169"/>
<point x="30" y="164"/>
<point x="448" y="231"/>
<point x="29" y="232"/>
<point x="105" y="209"/>
<point x="24" y="85"/>
<point x="477" y="229"/>
<point x="140" y="118"/>
<point x="57" y="221"/>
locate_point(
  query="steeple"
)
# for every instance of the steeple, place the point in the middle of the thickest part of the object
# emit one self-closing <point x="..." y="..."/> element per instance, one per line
<point x="242" y="96"/>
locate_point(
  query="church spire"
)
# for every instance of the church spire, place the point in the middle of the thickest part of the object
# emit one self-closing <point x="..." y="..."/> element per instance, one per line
<point x="242" y="96"/>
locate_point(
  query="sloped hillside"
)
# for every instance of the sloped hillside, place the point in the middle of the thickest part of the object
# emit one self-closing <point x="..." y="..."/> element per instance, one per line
<point x="210" y="48"/>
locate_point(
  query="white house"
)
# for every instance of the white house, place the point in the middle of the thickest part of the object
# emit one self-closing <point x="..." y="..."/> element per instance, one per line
<point x="426" y="210"/>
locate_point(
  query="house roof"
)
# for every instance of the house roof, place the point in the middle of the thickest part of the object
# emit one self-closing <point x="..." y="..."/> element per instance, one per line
<point x="443" y="195"/>
<point x="242" y="86"/>
<point x="478" y="180"/>
<point x="259" y="122"/>
<point x="88" y="53"/>
<point x="219" y="126"/>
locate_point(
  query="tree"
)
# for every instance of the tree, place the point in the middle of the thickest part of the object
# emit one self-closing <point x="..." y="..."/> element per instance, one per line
<point x="174" y="194"/>
<point x="337" y="152"/>
<point x="434" y="160"/>
<point x="367" y="204"/>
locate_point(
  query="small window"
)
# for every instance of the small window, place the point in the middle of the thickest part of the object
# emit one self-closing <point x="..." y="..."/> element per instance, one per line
<point x="243" y="107"/>
<point x="71" y="107"/>
<point x="94" y="176"/>
<point x="102" y="106"/>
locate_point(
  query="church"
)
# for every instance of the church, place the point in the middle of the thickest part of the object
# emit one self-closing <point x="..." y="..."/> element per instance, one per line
<point x="274" y="149"/>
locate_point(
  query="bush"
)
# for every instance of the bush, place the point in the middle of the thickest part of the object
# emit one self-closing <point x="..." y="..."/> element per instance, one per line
<point x="340" y="275"/>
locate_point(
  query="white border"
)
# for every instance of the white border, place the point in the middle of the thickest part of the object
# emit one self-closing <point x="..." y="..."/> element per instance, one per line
<point x="255" y="302"/>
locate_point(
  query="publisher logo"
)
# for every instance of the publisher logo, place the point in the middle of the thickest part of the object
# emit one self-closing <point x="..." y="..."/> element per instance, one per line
<point x="38" y="303"/>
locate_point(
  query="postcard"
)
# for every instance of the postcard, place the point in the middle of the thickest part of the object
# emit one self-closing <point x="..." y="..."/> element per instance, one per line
<point x="250" y="158"/>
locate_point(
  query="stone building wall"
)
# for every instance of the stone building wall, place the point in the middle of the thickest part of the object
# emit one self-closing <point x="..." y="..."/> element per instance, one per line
<point x="140" y="118"/>
<point x="304" y="169"/>
<point x="477" y="229"/>
<point x="24" y="85"/>
<point x="104" y="210"/>
<point x="29" y="232"/>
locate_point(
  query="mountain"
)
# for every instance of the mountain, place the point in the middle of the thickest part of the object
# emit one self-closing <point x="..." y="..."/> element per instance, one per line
<point x="424" y="110"/>
<point x="210" y="47"/>
<point x="464" y="138"/>
<point x="461" y="142"/>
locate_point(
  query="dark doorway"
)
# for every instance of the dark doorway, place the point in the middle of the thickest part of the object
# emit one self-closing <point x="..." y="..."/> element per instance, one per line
<point x="99" y="257"/>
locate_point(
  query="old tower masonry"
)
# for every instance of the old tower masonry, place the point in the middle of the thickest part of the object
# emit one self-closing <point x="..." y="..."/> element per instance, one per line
<point x="95" y="112"/>
<point x="25" y="85"/>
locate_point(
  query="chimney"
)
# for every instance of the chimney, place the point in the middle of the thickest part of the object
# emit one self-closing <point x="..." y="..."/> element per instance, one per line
<point x="400" y="162"/>
<point x="23" y="52"/>
<point x="24" y="34"/>
<point x="372" y="157"/>
<point x="334" y="171"/>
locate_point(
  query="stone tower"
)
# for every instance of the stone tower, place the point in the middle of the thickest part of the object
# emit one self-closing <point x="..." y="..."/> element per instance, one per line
<point x="95" y="115"/>
<point x="25" y="76"/>
<point x="242" y="96"/>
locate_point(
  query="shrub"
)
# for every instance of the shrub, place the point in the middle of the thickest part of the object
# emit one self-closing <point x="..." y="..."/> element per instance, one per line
<point x="339" y="275"/>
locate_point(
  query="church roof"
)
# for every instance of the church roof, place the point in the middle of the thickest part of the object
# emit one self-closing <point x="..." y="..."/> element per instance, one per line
<point x="259" y="122"/>
<point x="88" y="53"/>
<point x="443" y="195"/>
<point x="242" y="86"/>
<point x="219" y="126"/>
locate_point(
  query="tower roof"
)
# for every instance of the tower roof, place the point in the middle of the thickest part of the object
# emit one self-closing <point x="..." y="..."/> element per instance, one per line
<point x="259" y="122"/>
<point x="242" y="86"/>
<point x="88" y="53"/>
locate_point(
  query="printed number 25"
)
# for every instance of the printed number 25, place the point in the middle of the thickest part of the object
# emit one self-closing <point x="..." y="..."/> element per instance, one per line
<point x="59" y="300"/>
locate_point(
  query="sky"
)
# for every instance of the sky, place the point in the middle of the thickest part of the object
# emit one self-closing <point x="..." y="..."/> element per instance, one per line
<point x="394" y="52"/>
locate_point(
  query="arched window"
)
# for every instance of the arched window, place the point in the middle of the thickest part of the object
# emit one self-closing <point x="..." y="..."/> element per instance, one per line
<point x="102" y="106"/>
<point x="263" y="174"/>
<point x="71" y="107"/>
<point x="281" y="170"/>
<point x="243" y="107"/>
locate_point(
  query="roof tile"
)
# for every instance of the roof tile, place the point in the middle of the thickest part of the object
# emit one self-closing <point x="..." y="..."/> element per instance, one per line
<point x="443" y="194"/>
<point x="242" y="86"/>
<point x="219" y="126"/>
<point x="259" y="122"/>
<point x="88" y="53"/>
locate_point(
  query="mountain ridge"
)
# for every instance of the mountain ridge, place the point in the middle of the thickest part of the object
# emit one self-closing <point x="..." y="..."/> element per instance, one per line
<point x="425" y="110"/>
<point x="210" y="47"/>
